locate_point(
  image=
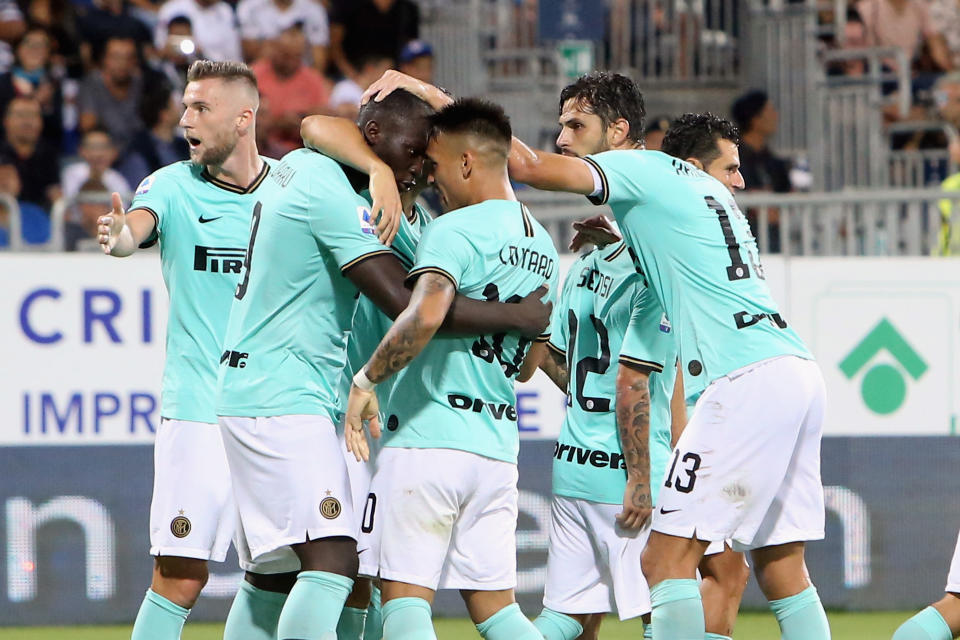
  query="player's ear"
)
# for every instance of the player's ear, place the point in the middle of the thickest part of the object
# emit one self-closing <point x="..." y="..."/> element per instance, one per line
<point x="244" y="120"/>
<point x="466" y="164"/>
<point x="371" y="131"/>
<point x="696" y="163"/>
<point x="618" y="131"/>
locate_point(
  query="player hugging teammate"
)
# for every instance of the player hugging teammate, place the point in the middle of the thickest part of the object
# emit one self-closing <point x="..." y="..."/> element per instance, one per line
<point x="677" y="311"/>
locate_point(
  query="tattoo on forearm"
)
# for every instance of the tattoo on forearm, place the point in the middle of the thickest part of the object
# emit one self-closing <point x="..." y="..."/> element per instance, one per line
<point x="633" y="424"/>
<point x="408" y="335"/>
<point x="555" y="366"/>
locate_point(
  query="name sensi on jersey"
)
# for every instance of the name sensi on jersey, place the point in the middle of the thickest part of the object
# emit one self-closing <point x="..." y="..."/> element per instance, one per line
<point x="593" y="280"/>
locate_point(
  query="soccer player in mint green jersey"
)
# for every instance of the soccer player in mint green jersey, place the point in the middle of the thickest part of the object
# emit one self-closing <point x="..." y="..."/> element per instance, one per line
<point x="395" y="129"/>
<point x="447" y="475"/>
<point x="199" y="211"/>
<point x="596" y="533"/>
<point x="311" y="247"/>
<point x="747" y="466"/>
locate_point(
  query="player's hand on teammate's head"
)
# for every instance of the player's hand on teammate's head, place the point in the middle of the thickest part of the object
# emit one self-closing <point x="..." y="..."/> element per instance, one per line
<point x="386" y="208"/>
<point x="389" y="82"/>
<point x="533" y="313"/>
<point x="598" y="230"/>
<point x="361" y="406"/>
<point x="637" y="506"/>
<point x="110" y="225"/>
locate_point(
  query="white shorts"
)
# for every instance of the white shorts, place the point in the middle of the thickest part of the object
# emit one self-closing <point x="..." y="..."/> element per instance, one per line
<point x="192" y="514"/>
<point x="449" y="517"/>
<point x="953" y="578"/>
<point x="364" y="505"/>
<point x="591" y="558"/>
<point x="747" y="467"/>
<point x="289" y="479"/>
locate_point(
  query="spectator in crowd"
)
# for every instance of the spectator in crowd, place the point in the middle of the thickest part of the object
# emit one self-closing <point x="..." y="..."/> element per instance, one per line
<point x="104" y="20"/>
<point x="91" y="200"/>
<point x="31" y="76"/>
<point x="904" y="24"/>
<point x="214" y="27"/>
<point x="59" y="19"/>
<point x="945" y="14"/>
<point x="34" y="221"/>
<point x="263" y="20"/>
<point x="35" y="160"/>
<point x="756" y="117"/>
<point x="97" y="154"/>
<point x="289" y="91"/>
<point x="854" y="37"/>
<point x="653" y="134"/>
<point x="12" y="27"/>
<point x="345" y="100"/>
<point x="178" y="52"/>
<point x="359" y="28"/>
<point x="416" y="60"/>
<point x="110" y="96"/>
<point x="158" y="144"/>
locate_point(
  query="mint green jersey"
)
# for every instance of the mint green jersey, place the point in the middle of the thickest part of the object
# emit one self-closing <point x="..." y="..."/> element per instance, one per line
<point x="203" y="225"/>
<point x="285" y="345"/>
<point x="696" y="252"/>
<point x="458" y="393"/>
<point x="604" y="315"/>
<point x="370" y="324"/>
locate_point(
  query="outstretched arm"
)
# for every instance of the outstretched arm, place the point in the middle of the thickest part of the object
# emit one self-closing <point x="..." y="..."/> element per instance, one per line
<point x="343" y="141"/>
<point x="633" y="426"/>
<point x="381" y="278"/>
<point x="120" y="233"/>
<point x="549" y="171"/>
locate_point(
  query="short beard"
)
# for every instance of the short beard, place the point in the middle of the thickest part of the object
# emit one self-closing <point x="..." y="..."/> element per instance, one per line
<point x="216" y="156"/>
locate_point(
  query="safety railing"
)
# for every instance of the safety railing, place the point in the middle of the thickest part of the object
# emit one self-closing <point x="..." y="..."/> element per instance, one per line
<point x="13" y="225"/>
<point x="850" y="223"/>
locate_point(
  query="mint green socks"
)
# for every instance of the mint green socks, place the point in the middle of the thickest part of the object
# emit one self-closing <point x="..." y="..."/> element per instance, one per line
<point x="677" y="610"/>
<point x="351" y="624"/>
<point x="508" y="624"/>
<point x="253" y="614"/>
<point x="648" y="632"/>
<point x="715" y="636"/>
<point x="158" y="619"/>
<point x="408" y="619"/>
<point x="554" y="625"/>
<point x="313" y="606"/>
<point x="373" y="630"/>
<point x="801" y="617"/>
<point x="926" y="625"/>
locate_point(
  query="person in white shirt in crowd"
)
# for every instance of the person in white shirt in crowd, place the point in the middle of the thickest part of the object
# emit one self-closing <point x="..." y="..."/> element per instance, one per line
<point x="345" y="99"/>
<point x="263" y="20"/>
<point x="214" y="27"/>
<point x="97" y="153"/>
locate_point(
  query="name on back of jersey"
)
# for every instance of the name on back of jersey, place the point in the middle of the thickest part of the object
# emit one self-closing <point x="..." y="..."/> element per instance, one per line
<point x="593" y="280"/>
<point x="526" y="258"/>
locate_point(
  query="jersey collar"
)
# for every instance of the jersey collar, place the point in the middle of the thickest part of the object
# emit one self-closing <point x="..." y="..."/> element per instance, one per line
<point x="232" y="188"/>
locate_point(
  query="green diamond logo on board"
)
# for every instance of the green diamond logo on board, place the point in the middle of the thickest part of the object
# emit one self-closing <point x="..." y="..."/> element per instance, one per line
<point x="884" y="386"/>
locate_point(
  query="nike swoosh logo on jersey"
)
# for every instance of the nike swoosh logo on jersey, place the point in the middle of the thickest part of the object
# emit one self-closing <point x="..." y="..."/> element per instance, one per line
<point x="667" y="511"/>
<point x="206" y="220"/>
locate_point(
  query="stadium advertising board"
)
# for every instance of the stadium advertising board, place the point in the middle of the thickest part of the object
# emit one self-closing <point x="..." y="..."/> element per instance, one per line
<point x="73" y="530"/>
<point x="82" y="349"/>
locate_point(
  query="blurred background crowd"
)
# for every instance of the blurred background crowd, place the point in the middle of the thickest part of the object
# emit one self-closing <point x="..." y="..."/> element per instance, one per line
<point x="90" y="89"/>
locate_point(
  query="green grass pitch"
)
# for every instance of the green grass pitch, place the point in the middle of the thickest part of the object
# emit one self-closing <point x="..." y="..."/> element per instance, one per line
<point x="750" y="626"/>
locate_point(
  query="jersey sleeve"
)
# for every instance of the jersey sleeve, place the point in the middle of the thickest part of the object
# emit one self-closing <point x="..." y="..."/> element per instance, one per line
<point x="647" y="340"/>
<point x="154" y="195"/>
<point x="620" y="176"/>
<point x="341" y="223"/>
<point x="443" y="249"/>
